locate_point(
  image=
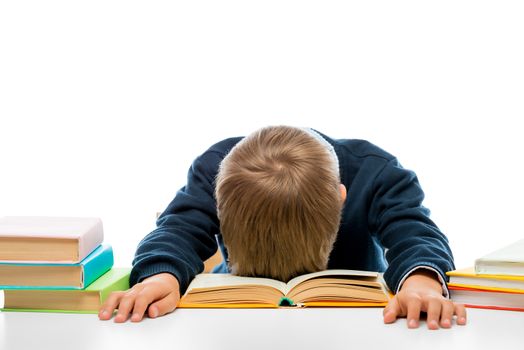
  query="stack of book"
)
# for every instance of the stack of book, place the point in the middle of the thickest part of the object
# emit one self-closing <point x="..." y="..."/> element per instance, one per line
<point x="495" y="282"/>
<point x="56" y="264"/>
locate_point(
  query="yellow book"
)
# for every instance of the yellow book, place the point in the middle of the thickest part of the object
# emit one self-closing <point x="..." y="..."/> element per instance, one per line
<point x="330" y="288"/>
<point x="467" y="278"/>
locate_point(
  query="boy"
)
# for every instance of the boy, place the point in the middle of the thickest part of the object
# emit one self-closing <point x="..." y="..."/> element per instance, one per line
<point x="287" y="201"/>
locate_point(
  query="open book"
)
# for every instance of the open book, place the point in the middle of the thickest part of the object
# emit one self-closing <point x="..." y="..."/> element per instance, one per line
<point x="324" y="288"/>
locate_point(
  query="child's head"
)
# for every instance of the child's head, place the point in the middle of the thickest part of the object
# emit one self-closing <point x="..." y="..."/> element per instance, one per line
<point x="279" y="203"/>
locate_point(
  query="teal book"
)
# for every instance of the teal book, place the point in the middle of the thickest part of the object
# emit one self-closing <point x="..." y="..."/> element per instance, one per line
<point x="86" y="300"/>
<point x="57" y="276"/>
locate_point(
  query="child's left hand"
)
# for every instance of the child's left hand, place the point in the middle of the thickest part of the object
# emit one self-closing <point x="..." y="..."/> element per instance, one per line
<point x="422" y="292"/>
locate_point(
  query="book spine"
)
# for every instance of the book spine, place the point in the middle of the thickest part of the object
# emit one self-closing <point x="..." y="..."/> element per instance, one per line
<point x="96" y="264"/>
<point x="120" y="281"/>
<point x="90" y="240"/>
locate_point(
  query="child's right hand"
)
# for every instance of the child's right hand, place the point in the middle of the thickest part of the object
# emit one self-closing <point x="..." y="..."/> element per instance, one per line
<point x="158" y="294"/>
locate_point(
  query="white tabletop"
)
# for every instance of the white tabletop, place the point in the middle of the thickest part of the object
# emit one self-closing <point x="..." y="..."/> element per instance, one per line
<point x="257" y="329"/>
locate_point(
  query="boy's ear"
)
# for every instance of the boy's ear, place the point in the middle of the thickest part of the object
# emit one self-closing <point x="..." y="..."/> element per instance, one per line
<point x="343" y="193"/>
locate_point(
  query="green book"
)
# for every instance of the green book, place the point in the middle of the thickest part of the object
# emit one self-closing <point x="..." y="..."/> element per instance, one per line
<point x="86" y="300"/>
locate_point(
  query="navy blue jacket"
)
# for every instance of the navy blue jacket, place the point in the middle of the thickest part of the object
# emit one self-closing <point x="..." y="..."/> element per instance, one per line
<point x="384" y="226"/>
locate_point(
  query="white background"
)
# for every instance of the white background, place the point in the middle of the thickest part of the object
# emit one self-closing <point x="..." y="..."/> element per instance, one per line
<point x="104" y="104"/>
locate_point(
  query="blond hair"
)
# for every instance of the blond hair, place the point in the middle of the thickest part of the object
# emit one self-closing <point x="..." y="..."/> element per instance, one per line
<point x="279" y="203"/>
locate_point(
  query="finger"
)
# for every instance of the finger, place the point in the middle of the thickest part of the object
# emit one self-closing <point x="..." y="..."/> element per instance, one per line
<point x="106" y="310"/>
<point x="126" y="305"/>
<point x="433" y="310"/>
<point x="164" y="306"/>
<point x="446" y="314"/>
<point x="460" y="311"/>
<point x="142" y="301"/>
<point x="392" y="310"/>
<point x="413" y="314"/>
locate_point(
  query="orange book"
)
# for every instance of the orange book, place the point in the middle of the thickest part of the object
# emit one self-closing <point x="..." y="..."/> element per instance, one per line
<point x="487" y="299"/>
<point x="330" y="288"/>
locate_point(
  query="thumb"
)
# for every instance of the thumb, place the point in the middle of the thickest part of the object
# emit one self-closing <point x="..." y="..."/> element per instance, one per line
<point x="164" y="306"/>
<point x="392" y="310"/>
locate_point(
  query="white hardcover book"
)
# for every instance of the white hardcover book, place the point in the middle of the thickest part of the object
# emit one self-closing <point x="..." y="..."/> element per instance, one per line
<point x="504" y="261"/>
<point x="48" y="239"/>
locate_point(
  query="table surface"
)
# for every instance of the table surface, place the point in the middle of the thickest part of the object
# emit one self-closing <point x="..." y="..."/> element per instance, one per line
<point x="330" y="328"/>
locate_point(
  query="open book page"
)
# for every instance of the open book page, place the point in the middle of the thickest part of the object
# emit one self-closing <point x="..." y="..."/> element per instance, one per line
<point x="360" y="275"/>
<point x="337" y="291"/>
<point x="221" y="280"/>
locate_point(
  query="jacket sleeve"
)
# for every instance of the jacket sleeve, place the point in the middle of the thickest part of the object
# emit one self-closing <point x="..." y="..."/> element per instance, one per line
<point x="185" y="233"/>
<point x="403" y="226"/>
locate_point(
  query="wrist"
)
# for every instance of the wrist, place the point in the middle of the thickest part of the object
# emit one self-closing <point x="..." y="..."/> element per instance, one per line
<point x="423" y="277"/>
<point x="164" y="277"/>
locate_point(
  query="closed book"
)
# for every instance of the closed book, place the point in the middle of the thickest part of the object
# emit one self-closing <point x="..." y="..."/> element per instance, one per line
<point x="467" y="278"/>
<point x="330" y="288"/>
<point x="487" y="299"/>
<point x="48" y="239"/>
<point x="508" y="260"/>
<point x="87" y="300"/>
<point x="57" y="276"/>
